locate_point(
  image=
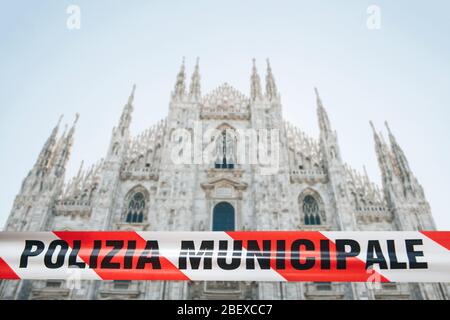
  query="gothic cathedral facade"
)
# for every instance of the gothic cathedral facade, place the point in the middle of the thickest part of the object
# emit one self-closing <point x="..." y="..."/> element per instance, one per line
<point x="138" y="186"/>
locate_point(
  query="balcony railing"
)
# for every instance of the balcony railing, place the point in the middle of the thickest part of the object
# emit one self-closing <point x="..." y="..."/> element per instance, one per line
<point x="139" y="173"/>
<point x="308" y="176"/>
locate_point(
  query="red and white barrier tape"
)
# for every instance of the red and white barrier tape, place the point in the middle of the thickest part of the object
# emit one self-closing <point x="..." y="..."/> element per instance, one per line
<point x="228" y="256"/>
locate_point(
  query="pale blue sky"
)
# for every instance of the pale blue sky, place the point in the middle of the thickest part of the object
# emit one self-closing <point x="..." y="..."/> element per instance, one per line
<point x="400" y="73"/>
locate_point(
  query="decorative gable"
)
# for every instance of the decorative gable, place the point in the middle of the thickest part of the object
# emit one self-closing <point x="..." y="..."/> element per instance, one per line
<point x="225" y="102"/>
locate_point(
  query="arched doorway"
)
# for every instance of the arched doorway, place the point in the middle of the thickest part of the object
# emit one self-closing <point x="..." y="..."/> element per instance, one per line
<point x="223" y="217"/>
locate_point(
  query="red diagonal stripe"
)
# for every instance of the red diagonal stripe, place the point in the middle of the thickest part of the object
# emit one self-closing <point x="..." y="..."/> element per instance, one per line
<point x="440" y="237"/>
<point x="167" y="272"/>
<point x="6" y="272"/>
<point x="354" y="272"/>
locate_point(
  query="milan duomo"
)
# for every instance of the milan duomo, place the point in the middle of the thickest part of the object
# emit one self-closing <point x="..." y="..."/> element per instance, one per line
<point x="137" y="186"/>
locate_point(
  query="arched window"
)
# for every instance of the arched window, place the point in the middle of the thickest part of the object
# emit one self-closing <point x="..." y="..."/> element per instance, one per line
<point x="115" y="149"/>
<point x="223" y="217"/>
<point x="135" y="209"/>
<point x="311" y="211"/>
<point x="225" y="145"/>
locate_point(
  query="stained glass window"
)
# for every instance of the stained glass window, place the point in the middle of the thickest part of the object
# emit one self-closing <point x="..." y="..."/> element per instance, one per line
<point x="136" y="206"/>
